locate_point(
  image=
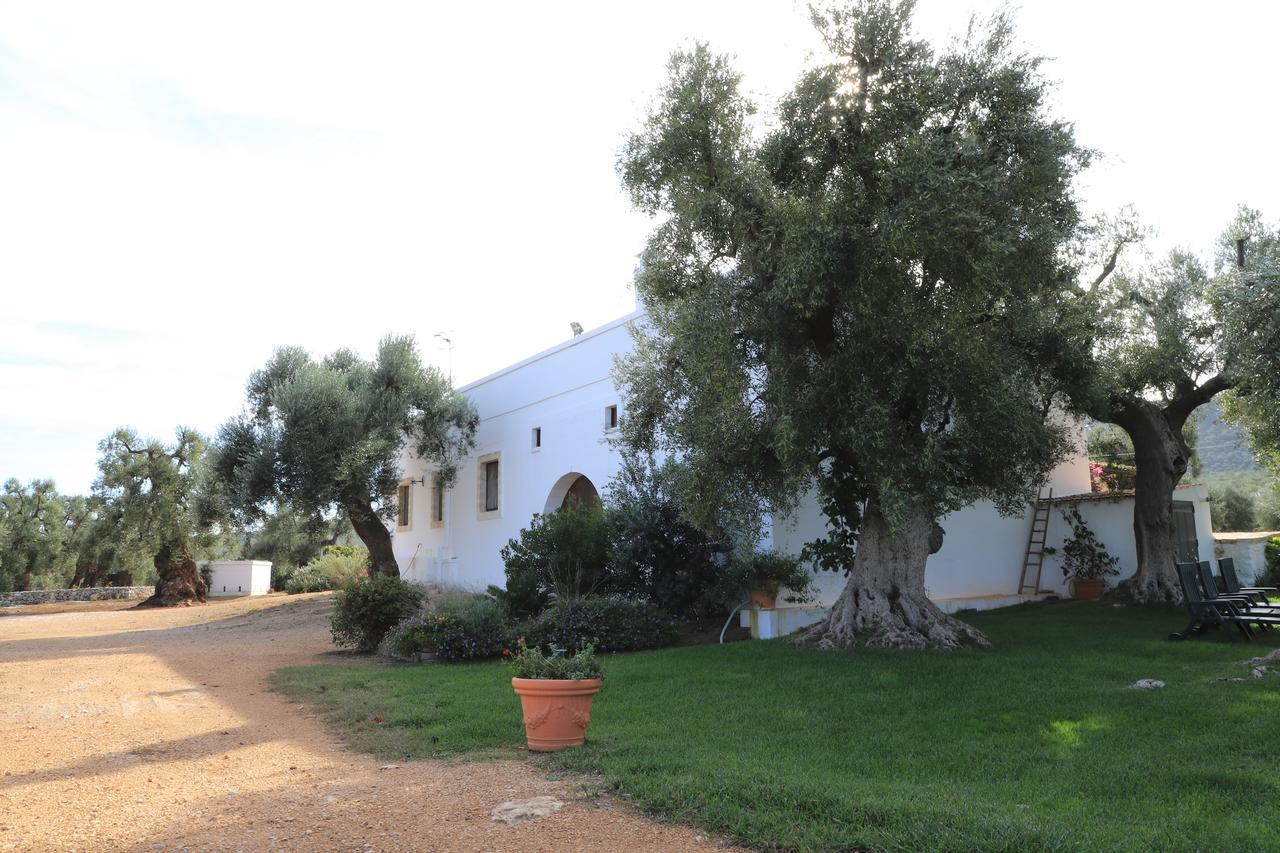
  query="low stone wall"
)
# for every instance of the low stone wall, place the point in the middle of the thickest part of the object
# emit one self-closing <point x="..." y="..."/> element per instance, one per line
<point x="52" y="596"/>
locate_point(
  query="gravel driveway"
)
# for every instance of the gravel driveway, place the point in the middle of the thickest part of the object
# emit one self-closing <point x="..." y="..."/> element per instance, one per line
<point x="125" y="729"/>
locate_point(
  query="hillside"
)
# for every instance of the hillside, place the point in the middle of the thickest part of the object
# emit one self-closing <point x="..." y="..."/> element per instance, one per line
<point x="1222" y="446"/>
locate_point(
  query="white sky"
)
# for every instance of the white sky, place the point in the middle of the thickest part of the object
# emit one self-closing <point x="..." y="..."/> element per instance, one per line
<point x="184" y="187"/>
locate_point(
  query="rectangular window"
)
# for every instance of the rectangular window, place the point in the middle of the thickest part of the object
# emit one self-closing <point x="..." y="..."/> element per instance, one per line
<point x="611" y="417"/>
<point x="491" y="486"/>
<point x="537" y="437"/>
<point x="402" y="507"/>
<point x="437" y="503"/>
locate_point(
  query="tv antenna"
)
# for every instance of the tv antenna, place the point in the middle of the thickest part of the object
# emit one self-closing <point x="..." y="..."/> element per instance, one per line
<point x="447" y="338"/>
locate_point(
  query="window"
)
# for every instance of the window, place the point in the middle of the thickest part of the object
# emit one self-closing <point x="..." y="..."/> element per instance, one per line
<point x="537" y="438"/>
<point x="611" y="417"/>
<point x="491" y="486"/>
<point x="437" y="503"/>
<point x="403" y="516"/>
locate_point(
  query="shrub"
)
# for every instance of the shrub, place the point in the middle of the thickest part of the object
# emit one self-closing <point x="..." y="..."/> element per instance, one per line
<point x="563" y="554"/>
<point x="336" y="566"/>
<point x="206" y="575"/>
<point x="365" y="609"/>
<point x="460" y="627"/>
<point x="655" y="553"/>
<point x="280" y="574"/>
<point x="1273" y="562"/>
<point x="1232" y="509"/>
<point x="308" y="579"/>
<point x="608" y="624"/>
<point x="474" y="627"/>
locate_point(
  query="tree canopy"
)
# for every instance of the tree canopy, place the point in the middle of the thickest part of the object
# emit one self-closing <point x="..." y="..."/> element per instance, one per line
<point x="153" y="502"/>
<point x="326" y="436"/>
<point x="1169" y="337"/>
<point x="872" y="296"/>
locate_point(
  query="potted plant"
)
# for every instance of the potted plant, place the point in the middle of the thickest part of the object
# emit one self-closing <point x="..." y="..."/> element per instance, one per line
<point x="764" y="573"/>
<point x="1085" y="560"/>
<point x="556" y="692"/>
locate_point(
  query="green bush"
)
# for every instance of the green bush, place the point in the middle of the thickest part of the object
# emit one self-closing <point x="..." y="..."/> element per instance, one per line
<point x="564" y="554"/>
<point x="1232" y="509"/>
<point x="655" y="554"/>
<point x="280" y="574"/>
<point x="460" y="627"/>
<point x="336" y="566"/>
<point x="308" y="579"/>
<point x="1273" y="562"/>
<point x="365" y="609"/>
<point x="608" y="624"/>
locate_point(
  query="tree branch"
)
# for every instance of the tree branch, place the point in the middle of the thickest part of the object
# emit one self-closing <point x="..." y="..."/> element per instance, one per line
<point x="1186" y="401"/>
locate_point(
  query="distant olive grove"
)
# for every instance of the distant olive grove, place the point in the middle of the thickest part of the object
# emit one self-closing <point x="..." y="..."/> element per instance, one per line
<point x="147" y="498"/>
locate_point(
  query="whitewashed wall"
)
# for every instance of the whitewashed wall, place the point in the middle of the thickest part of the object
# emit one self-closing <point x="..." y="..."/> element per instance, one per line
<point x="1111" y="520"/>
<point x="981" y="555"/>
<point x="240" y="577"/>
<point x="1248" y="552"/>
<point x="565" y="391"/>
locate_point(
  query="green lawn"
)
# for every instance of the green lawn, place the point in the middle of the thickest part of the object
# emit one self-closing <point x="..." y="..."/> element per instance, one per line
<point x="1037" y="743"/>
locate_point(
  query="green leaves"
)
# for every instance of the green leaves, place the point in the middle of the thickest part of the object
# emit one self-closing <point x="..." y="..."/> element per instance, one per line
<point x="861" y="297"/>
<point x="327" y="434"/>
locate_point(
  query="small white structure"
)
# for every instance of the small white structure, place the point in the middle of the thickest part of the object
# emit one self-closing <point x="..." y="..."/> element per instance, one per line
<point x="545" y="434"/>
<point x="239" y="577"/>
<point x="1248" y="550"/>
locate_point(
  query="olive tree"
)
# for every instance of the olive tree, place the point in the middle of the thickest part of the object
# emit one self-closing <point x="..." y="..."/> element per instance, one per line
<point x="32" y="533"/>
<point x="326" y="436"/>
<point x="873" y="297"/>
<point x="151" y="501"/>
<point x="1171" y="336"/>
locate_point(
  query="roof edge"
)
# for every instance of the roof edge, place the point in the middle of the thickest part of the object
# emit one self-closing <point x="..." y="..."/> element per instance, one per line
<point x="572" y="342"/>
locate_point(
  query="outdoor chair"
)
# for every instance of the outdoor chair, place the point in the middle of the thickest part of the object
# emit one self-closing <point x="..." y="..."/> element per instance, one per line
<point x="1246" y="604"/>
<point x="1227" y="568"/>
<point x="1211" y="609"/>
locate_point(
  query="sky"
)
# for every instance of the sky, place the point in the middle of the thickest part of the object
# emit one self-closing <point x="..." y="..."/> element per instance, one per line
<point x="185" y="187"/>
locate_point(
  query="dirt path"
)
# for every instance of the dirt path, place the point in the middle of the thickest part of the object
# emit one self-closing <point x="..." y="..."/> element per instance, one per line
<point x="125" y="729"/>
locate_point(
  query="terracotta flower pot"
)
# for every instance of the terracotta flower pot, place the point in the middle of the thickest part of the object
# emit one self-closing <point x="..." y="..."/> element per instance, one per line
<point x="766" y="598"/>
<point x="556" y="711"/>
<point x="1089" y="588"/>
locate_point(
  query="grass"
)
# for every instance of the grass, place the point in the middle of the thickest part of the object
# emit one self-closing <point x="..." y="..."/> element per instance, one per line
<point x="1038" y="743"/>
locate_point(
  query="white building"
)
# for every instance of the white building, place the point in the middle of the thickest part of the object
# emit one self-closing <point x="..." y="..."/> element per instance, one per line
<point x="544" y="429"/>
<point x="239" y="577"/>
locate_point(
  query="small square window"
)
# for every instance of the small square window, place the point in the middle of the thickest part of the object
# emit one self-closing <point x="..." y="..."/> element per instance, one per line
<point x="491" y="486"/>
<point x="611" y="417"/>
<point x="403" y="516"/>
<point x="537" y="437"/>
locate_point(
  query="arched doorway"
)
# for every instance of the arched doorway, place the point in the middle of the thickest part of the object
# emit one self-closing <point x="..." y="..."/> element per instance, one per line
<point x="570" y="490"/>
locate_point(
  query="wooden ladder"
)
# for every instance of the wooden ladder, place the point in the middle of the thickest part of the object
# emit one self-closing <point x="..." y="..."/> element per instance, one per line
<point x="1033" y="559"/>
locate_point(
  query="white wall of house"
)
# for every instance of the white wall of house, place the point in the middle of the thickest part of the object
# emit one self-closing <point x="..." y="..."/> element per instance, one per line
<point x="564" y="392"/>
<point x="981" y="554"/>
<point x="1111" y="520"/>
<point x="240" y="577"/>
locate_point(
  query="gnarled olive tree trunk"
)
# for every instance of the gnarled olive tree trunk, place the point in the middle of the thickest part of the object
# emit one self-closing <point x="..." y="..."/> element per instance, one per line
<point x="884" y="602"/>
<point x="373" y="532"/>
<point x="1161" y="457"/>
<point x="178" y="581"/>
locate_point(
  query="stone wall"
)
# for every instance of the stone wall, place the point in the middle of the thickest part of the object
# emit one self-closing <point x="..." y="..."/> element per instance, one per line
<point x="51" y="596"/>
